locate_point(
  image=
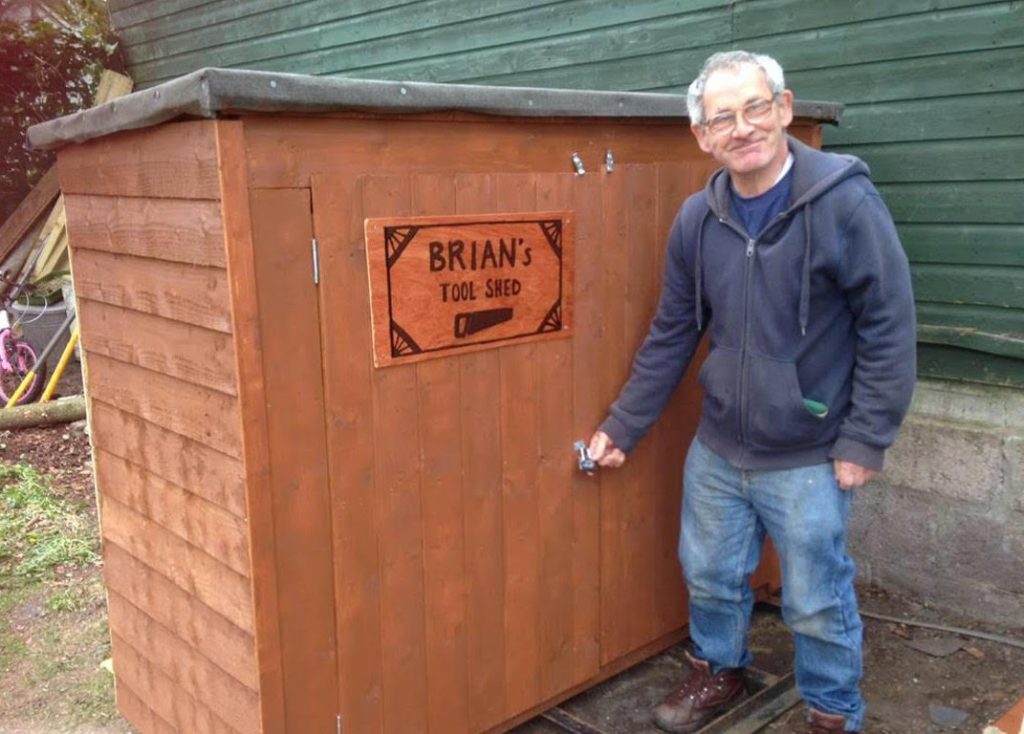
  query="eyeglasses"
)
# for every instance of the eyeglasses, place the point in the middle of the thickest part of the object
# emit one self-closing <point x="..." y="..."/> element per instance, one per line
<point x="754" y="113"/>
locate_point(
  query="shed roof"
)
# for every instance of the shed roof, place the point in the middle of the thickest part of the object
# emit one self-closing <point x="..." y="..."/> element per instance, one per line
<point x="218" y="92"/>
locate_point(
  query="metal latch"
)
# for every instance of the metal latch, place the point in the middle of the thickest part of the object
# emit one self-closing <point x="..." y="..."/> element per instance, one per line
<point x="578" y="163"/>
<point x="586" y="464"/>
<point x="609" y="161"/>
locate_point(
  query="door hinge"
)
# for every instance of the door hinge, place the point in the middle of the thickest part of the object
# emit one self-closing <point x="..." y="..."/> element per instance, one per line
<point x="337" y="729"/>
<point x="316" y="262"/>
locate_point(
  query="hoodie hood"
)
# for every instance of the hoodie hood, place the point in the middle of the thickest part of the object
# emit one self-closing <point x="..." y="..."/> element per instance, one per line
<point x="813" y="176"/>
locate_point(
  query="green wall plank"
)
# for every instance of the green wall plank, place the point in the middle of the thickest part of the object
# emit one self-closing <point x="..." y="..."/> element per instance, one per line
<point x="995" y="330"/>
<point x="960" y="117"/>
<point x="667" y="69"/>
<point x="171" y="12"/>
<point x="992" y="202"/>
<point x="560" y="51"/>
<point x="944" y="160"/>
<point x="979" y="285"/>
<point x="968" y="365"/>
<point x="307" y="27"/>
<point x="228" y="21"/>
<point x="980" y="244"/>
<point x="941" y="32"/>
<point x="776" y="17"/>
<point x="404" y="43"/>
<point x="996" y="70"/>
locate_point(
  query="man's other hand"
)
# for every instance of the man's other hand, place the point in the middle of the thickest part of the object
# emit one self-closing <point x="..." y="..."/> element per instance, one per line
<point x="850" y="475"/>
<point x="604" y="451"/>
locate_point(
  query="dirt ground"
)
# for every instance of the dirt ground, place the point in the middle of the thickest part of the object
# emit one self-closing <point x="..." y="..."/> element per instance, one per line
<point x="50" y="653"/>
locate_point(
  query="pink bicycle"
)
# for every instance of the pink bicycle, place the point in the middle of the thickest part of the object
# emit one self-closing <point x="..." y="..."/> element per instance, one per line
<point x="17" y="358"/>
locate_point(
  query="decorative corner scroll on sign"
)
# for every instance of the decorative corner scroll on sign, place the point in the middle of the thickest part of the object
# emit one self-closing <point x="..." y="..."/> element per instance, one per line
<point x="441" y="285"/>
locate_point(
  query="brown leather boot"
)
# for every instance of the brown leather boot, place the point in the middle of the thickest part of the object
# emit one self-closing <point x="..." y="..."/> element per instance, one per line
<point x="822" y="723"/>
<point x="702" y="697"/>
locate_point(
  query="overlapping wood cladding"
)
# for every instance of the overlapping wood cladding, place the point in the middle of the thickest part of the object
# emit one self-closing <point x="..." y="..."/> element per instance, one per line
<point x="148" y="256"/>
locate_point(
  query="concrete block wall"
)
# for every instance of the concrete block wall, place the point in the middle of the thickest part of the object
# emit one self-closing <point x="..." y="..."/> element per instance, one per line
<point x="945" y="522"/>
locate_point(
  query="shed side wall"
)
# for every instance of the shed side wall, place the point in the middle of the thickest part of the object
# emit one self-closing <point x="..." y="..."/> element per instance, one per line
<point x="147" y="253"/>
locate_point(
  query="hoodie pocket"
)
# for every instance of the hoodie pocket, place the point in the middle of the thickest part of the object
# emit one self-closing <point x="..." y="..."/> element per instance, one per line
<point x="779" y="416"/>
<point x="719" y="376"/>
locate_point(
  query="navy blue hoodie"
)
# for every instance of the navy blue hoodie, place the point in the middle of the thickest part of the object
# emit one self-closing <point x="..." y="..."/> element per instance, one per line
<point x="812" y="337"/>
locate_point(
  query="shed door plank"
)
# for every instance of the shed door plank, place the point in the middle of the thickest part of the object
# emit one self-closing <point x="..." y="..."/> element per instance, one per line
<point x="671" y="436"/>
<point x="641" y="588"/>
<point x="444" y="563"/>
<point x="348" y="385"/>
<point x="282" y="231"/>
<point x="568" y="501"/>
<point x="519" y="388"/>
<point x="608" y="315"/>
<point x="397" y="470"/>
<point x="647" y="489"/>
<point x="482" y="492"/>
<point x="588" y="412"/>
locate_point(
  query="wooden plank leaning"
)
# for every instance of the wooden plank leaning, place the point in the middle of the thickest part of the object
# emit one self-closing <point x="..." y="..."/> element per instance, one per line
<point x="29" y="211"/>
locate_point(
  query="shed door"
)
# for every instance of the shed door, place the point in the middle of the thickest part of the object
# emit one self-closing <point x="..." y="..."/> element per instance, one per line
<point x="477" y="573"/>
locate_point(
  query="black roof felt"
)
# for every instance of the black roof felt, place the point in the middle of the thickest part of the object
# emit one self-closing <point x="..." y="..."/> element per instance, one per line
<point x="210" y="93"/>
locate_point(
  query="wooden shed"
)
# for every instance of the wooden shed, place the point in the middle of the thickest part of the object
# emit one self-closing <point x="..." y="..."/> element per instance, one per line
<point x="337" y="484"/>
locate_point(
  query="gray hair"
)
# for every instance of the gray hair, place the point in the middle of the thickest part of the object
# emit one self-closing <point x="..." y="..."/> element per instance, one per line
<point x="731" y="60"/>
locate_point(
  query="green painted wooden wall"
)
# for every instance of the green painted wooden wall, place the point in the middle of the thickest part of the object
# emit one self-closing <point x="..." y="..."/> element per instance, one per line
<point x="934" y="92"/>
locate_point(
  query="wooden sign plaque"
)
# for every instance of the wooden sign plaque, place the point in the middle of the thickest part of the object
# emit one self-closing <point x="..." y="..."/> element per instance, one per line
<point x="464" y="283"/>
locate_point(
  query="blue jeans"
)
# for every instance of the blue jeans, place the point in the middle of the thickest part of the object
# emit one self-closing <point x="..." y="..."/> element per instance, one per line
<point x="726" y="512"/>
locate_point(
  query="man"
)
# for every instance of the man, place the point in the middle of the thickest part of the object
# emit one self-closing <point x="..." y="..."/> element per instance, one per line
<point x="791" y="262"/>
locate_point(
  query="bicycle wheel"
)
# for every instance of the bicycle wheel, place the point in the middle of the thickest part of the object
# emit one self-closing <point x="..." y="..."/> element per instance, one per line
<point x="21" y="357"/>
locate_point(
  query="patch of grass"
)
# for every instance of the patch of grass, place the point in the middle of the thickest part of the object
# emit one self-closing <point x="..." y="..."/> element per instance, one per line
<point x="67" y="600"/>
<point x="39" y="532"/>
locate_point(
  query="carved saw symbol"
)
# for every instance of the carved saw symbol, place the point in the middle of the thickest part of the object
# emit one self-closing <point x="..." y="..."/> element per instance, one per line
<point x="468" y="323"/>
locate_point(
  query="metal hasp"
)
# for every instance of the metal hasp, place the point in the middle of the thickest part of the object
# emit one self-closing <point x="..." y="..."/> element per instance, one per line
<point x="586" y="464"/>
<point x="577" y="162"/>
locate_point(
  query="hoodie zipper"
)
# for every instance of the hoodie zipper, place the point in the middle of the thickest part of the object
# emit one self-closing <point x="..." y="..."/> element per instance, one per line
<point x="748" y="274"/>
